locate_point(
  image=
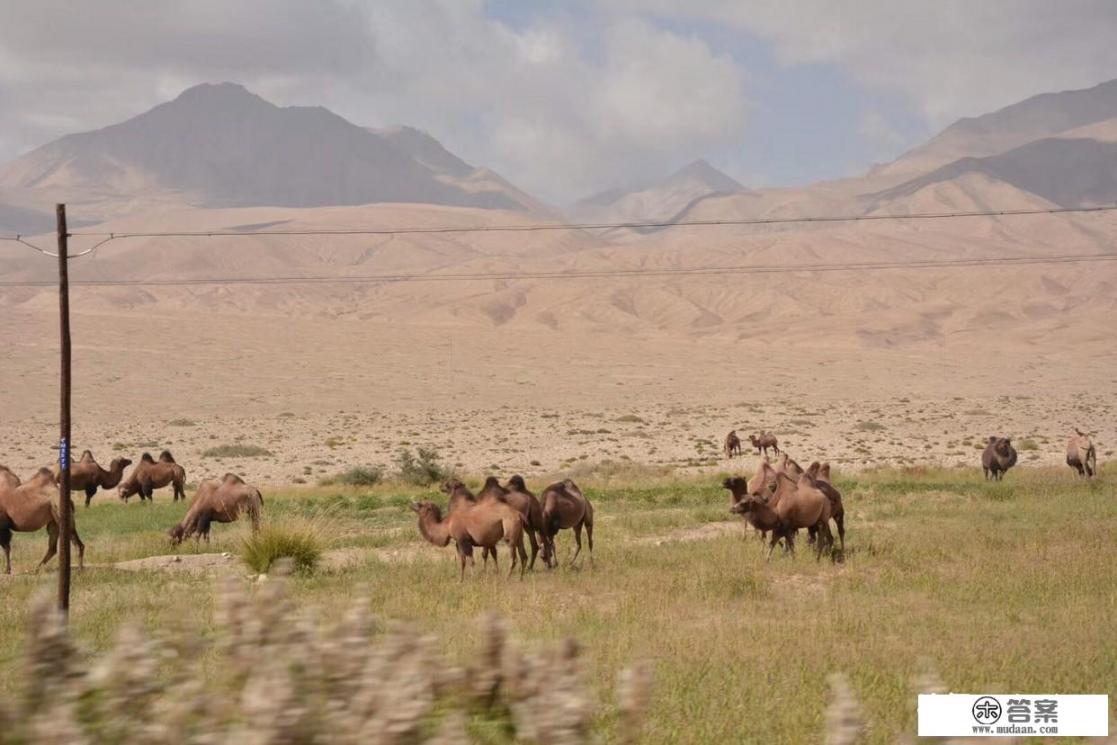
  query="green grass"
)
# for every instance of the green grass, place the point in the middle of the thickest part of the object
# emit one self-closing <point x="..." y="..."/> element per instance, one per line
<point x="1008" y="586"/>
<point x="298" y="542"/>
<point x="236" y="451"/>
<point x="356" y="476"/>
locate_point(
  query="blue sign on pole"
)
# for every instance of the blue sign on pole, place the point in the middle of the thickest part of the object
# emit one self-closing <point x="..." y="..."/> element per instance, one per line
<point x="63" y="454"/>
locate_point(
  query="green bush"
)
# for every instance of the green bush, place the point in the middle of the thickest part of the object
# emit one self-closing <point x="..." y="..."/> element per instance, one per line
<point x="422" y="469"/>
<point x="236" y="451"/>
<point x="298" y="541"/>
<point x="356" y="476"/>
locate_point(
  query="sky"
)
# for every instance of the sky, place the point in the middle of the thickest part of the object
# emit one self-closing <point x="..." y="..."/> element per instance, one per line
<point x="569" y="98"/>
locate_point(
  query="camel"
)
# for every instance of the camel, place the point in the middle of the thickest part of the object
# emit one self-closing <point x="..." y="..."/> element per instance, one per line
<point x="519" y="496"/>
<point x="762" y="484"/>
<point x="739" y="492"/>
<point x="8" y="479"/>
<point x="470" y="523"/>
<point x="795" y="505"/>
<point x="999" y="456"/>
<point x="149" y="475"/>
<point x="786" y="465"/>
<point x="31" y="506"/>
<point x="765" y="441"/>
<point x="564" y="506"/>
<point x="87" y="475"/>
<point x="218" y="502"/>
<point x="732" y="444"/>
<point x="820" y="476"/>
<point x="1081" y="455"/>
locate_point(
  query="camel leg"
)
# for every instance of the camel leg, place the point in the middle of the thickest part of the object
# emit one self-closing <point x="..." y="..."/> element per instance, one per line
<point x="589" y="539"/>
<point x="772" y="544"/>
<point x="534" y="547"/>
<point x="89" y="492"/>
<point x="52" y="543"/>
<point x="76" y="540"/>
<point x="523" y="556"/>
<point x="840" y="520"/>
<point x="577" y="543"/>
<point x="6" y="544"/>
<point x="825" y="540"/>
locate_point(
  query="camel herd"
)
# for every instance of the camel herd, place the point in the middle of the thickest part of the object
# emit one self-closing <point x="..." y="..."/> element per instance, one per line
<point x="504" y="514"/>
<point x="779" y="500"/>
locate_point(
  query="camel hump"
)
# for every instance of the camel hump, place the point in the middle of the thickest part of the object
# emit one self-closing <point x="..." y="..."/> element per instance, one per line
<point x="146" y="458"/>
<point x="166" y="457"/>
<point x="492" y="482"/>
<point x="87" y="455"/>
<point x="517" y="482"/>
<point x="232" y="478"/>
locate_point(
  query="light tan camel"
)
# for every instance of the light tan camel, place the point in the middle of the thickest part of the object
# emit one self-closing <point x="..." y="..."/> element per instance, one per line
<point x="29" y="507"/>
<point x="786" y="465"/>
<point x="87" y="475"/>
<point x="149" y="475"/>
<point x="765" y="441"/>
<point x="219" y="502"/>
<point x="8" y="479"/>
<point x="564" y="506"/>
<point x="793" y="506"/>
<point x="470" y="523"/>
<point x="1081" y="455"/>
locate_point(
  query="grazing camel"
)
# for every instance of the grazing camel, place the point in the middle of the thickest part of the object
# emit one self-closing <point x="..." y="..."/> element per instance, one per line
<point x="471" y="523"/>
<point x="740" y="491"/>
<point x="999" y="456"/>
<point x="732" y="444"/>
<point x="787" y="466"/>
<point x="519" y="496"/>
<point x="1081" y="455"/>
<point x="31" y="506"/>
<point x="820" y="477"/>
<point x="765" y="441"/>
<point x="149" y="475"/>
<point x="564" y="506"/>
<point x="87" y="475"/>
<point x="218" y="502"/>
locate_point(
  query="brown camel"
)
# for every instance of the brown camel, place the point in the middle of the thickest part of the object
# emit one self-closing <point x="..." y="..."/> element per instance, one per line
<point x="820" y="477"/>
<point x="794" y="506"/>
<point x="999" y="456"/>
<point x="8" y="479"/>
<point x="32" y="506"/>
<point x="762" y="484"/>
<point x="564" y="506"/>
<point x="519" y="496"/>
<point x="1081" y="455"/>
<point x="87" y="475"/>
<point x="218" y="502"/>
<point x="149" y="475"/>
<point x="787" y="466"/>
<point x="764" y="441"/>
<point x="732" y="444"/>
<point x="470" y="523"/>
<point x="739" y="490"/>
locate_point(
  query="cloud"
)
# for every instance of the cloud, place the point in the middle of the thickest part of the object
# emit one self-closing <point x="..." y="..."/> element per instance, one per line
<point x="563" y="105"/>
<point x="949" y="58"/>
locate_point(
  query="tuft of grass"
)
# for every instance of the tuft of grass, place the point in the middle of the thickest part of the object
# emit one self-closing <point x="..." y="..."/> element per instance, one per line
<point x="869" y="426"/>
<point x="236" y="451"/>
<point x="182" y="422"/>
<point x="1027" y="444"/>
<point x="299" y="540"/>
<point x="356" y="476"/>
<point x="630" y="418"/>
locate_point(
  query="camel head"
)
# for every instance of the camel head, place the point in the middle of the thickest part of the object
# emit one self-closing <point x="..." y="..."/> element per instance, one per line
<point x="120" y="463"/>
<point x="737" y="487"/>
<point x="177" y="534"/>
<point x="516" y="482"/>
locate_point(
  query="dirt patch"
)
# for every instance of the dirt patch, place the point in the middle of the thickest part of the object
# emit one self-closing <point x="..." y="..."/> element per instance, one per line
<point x="705" y="532"/>
<point x="222" y="563"/>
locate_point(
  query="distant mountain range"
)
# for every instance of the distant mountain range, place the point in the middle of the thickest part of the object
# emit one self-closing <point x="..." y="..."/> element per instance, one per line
<point x="220" y="145"/>
<point x="660" y="200"/>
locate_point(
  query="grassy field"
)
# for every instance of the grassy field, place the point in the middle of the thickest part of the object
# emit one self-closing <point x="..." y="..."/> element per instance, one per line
<point x="1000" y="587"/>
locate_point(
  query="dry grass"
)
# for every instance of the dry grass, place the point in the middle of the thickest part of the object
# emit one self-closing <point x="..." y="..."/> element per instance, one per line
<point x="1004" y="586"/>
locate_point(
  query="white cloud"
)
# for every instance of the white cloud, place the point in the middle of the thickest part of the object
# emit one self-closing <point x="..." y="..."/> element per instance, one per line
<point x="950" y="58"/>
<point x="535" y="103"/>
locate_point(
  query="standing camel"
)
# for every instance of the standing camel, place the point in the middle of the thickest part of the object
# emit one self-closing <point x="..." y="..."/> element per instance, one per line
<point x="764" y="441"/>
<point x="470" y="523"/>
<point x="87" y="475"/>
<point x="999" y="456"/>
<point x="820" y="478"/>
<point x="150" y="475"/>
<point x="564" y="506"/>
<point x="31" y="506"/>
<point x="732" y="444"/>
<point x="1081" y="455"/>
<point x="519" y="496"/>
<point x="794" y="506"/>
<point x="219" y="502"/>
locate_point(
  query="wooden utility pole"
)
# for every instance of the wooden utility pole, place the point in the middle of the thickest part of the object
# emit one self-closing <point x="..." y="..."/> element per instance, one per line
<point x="66" y="506"/>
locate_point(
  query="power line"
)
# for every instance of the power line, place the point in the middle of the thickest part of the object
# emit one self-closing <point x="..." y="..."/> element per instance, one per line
<point x="547" y="275"/>
<point x="536" y="227"/>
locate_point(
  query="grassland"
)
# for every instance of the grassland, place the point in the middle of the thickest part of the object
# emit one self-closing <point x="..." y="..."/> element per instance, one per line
<point x="1000" y="587"/>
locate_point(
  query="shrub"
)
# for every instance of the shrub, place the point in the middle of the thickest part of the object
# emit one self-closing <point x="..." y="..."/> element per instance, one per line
<point x="870" y="426"/>
<point x="298" y="541"/>
<point x="236" y="451"/>
<point x="422" y="469"/>
<point x="182" y="423"/>
<point x="356" y="476"/>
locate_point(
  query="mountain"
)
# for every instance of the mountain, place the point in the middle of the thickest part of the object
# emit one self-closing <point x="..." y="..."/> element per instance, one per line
<point x="220" y="145"/>
<point x="660" y="200"/>
<point x="1035" y="118"/>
